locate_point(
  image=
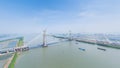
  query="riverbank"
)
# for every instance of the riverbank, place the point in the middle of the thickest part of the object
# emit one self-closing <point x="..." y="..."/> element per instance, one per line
<point x="96" y="42"/>
<point x="101" y="43"/>
<point x="11" y="61"/>
<point x="6" y="65"/>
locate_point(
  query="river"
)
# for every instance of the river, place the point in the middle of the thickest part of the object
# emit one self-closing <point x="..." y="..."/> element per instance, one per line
<point x="67" y="55"/>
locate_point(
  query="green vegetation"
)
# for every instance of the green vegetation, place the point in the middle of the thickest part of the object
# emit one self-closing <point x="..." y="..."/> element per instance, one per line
<point x="12" y="64"/>
<point x="20" y="43"/>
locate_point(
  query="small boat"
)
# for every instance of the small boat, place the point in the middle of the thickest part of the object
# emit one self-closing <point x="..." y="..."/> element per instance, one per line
<point x="102" y="49"/>
<point x="81" y="49"/>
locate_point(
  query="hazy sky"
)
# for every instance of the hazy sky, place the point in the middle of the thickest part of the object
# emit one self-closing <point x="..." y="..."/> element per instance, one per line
<point x="29" y="16"/>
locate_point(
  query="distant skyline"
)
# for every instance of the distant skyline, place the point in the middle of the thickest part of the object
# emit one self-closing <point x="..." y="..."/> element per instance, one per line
<point x="33" y="16"/>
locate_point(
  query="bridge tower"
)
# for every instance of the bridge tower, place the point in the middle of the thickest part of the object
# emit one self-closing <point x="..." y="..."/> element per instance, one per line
<point x="70" y="36"/>
<point x="44" y="39"/>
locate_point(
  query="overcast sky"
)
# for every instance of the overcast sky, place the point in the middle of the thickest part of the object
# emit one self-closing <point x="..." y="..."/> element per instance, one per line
<point x="33" y="16"/>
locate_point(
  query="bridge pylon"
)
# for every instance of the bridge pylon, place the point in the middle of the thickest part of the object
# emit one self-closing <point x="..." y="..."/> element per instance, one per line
<point x="70" y="36"/>
<point x="44" y="39"/>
